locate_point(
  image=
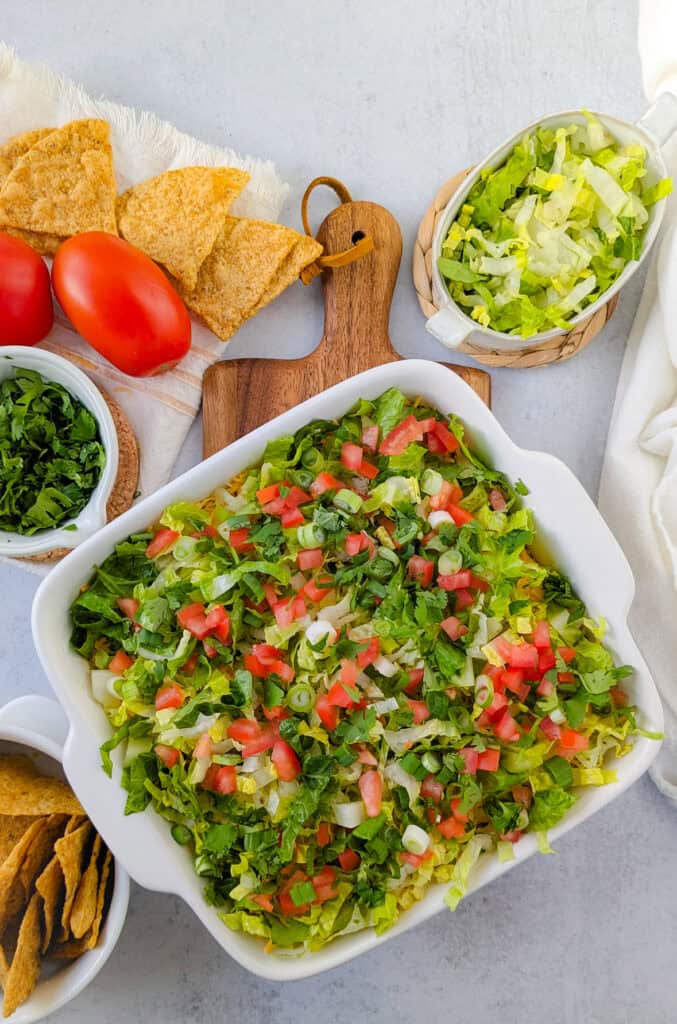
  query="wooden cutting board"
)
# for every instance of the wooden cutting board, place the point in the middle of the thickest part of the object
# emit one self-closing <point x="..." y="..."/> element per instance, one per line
<point x="241" y="394"/>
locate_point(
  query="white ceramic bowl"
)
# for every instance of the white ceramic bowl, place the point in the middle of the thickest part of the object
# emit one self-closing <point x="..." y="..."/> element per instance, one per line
<point x="93" y="515"/>
<point x="571" y="528"/>
<point x="451" y="325"/>
<point x="38" y="727"/>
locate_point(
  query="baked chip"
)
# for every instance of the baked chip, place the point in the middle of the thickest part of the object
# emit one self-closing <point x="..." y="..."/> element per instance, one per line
<point x="50" y="885"/>
<point x="305" y="252"/>
<point x="240" y="268"/>
<point x="70" y="850"/>
<point x="76" y="947"/>
<point x="63" y="184"/>
<point x="24" y="792"/>
<point x="176" y="218"/>
<point x="24" y="969"/>
<point x="40" y="851"/>
<point x="84" y="904"/>
<point x="12" y="894"/>
<point x="16" y="147"/>
<point x="12" y="828"/>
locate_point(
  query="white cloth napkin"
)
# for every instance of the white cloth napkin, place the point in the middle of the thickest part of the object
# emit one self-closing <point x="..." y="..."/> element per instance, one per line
<point x="160" y="409"/>
<point x="638" y="490"/>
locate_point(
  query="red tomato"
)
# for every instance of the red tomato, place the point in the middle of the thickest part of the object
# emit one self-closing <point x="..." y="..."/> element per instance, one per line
<point x="447" y="440"/>
<point x="128" y="606"/>
<point x="368" y="469"/>
<point x="464" y="599"/>
<point x="545" y="688"/>
<point x="190" y="664"/>
<point x="218" y="623"/>
<point x="290" y="518"/>
<point x="365" y="756"/>
<point x="239" y="540"/>
<point x="323" y="833"/>
<point x="169" y="696"/>
<point x="168" y="755"/>
<point x="244" y="730"/>
<point x="162" y="540"/>
<point x="420" y="570"/>
<point x="550" y="728"/>
<point x="567" y="654"/>
<point x="546" y="661"/>
<point x="456" y="810"/>
<point x="470" y="756"/>
<point x="370" y="437"/>
<point x="460" y="515"/>
<point x="455" y="580"/>
<point x="192" y="617"/>
<point x="268" y="493"/>
<point x="287" y="764"/>
<point x="542" y="635"/>
<point x="453" y="627"/>
<point x="415" y="680"/>
<point x="121" y="303"/>
<point x="349" y="860"/>
<point x="488" y="760"/>
<point x="263" y="901"/>
<point x="324" y="482"/>
<point x="415" y="859"/>
<point x="419" y="710"/>
<point x="339" y="697"/>
<point x="318" y="588"/>
<point x="506" y="728"/>
<point x="311" y="558"/>
<point x="26" y="311"/>
<point x="351" y="455"/>
<point x="498" y="705"/>
<point x="401" y="436"/>
<point x="203" y="747"/>
<point x="451" y="828"/>
<point x="371" y="790"/>
<point x="368" y="656"/>
<point x="448" y="492"/>
<point x="570" y="740"/>
<point x="431" y="789"/>
<point x="119" y="662"/>
<point x="221" y="778"/>
<point x="327" y="713"/>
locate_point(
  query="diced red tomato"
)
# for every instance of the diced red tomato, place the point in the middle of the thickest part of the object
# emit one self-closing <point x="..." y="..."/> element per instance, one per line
<point x="190" y="664"/>
<point x="365" y="756"/>
<point x="415" y="860"/>
<point x="567" y="654"/>
<point x="349" y="860"/>
<point x="506" y="728"/>
<point x="253" y="665"/>
<point x="128" y="606"/>
<point x="451" y="828"/>
<point x="401" y="436"/>
<point x="447" y="493"/>
<point x="434" y="445"/>
<point x="169" y="696"/>
<point x="368" y="469"/>
<point x="221" y="778"/>
<point x="168" y="755"/>
<point x="218" y="623"/>
<point x="349" y="672"/>
<point x="431" y="789"/>
<point x="497" y="500"/>
<point x="276" y="714"/>
<point x="162" y="540"/>
<point x="464" y="599"/>
<point x="239" y="540"/>
<point x="269" y="493"/>
<point x="192" y="617"/>
<point x="339" y="697"/>
<point x="618" y="696"/>
<point x="323" y="883"/>
<point x="368" y="656"/>
<point x="456" y="809"/>
<point x="477" y="583"/>
<point x="550" y="728"/>
<point x="470" y="756"/>
<point x="455" y="580"/>
<point x="570" y="740"/>
<point x="371" y="789"/>
<point x="354" y="543"/>
<point x="566" y="677"/>
<point x="210" y="651"/>
<point x="461" y="516"/>
<point x="253" y="737"/>
<point x="290" y="518"/>
<point x="270" y="594"/>
<point x="318" y="588"/>
<point x="287" y="905"/>
<point x="327" y="713"/>
<point x="421" y="570"/>
<point x="120" y="662"/>
<point x="370" y="437"/>
<point x="324" y="482"/>
<point x="521" y="655"/>
<point x="311" y="558"/>
<point x="542" y="635"/>
<point x="263" y="901"/>
<point x="444" y="436"/>
<point x="323" y="835"/>
<point x="545" y="688"/>
<point x="512" y="837"/>
<point x="283" y="670"/>
<point x="287" y="764"/>
<point x="264" y="741"/>
<point x="351" y="455"/>
<point x="203" y="747"/>
<point x="453" y="627"/>
<point x="511" y="679"/>
<point x="296" y="496"/>
<point x="267" y="653"/>
<point x="419" y="709"/>
<point x="497" y="707"/>
<point x="546" y="661"/>
<point x="284" y="612"/>
<point x="488" y="760"/>
<point x="415" y="680"/>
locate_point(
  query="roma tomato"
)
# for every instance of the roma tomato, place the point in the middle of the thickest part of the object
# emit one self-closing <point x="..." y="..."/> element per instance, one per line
<point x="121" y="303"/>
<point x="26" y="311"/>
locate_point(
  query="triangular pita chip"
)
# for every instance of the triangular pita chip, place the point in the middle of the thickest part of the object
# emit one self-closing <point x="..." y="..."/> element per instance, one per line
<point x="64" y="184"/>
<point x="241" y="266"/>
<point x="176" y="218"/>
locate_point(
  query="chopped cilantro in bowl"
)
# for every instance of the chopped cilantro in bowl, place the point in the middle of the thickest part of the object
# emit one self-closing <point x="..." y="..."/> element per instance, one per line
<point x="542" y="236"/>
<point x="51" y="455"/>
<point x="345" y="675"/>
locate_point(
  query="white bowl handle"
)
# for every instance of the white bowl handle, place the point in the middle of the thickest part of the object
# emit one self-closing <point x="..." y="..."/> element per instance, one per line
<point x="660" y="120"/>
<point x="448" y="326"/>
<point x="35" y="720"/>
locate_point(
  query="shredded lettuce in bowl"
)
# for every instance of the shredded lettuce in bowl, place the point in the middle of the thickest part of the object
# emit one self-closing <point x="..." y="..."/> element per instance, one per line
<point x="345" y="675"/>
<point x="544" y="235"/>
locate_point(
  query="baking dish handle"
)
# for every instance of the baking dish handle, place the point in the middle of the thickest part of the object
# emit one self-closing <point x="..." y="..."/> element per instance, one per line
<point x="37" y="721"/>
<point x="448" y="326"/>
<point x="660" y="120"/>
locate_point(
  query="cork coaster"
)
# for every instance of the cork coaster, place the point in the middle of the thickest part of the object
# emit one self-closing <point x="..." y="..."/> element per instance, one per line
<point x="124" y="488"/>
<point x="561" y="347"/>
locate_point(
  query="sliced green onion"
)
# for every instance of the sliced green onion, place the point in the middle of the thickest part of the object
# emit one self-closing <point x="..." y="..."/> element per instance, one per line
<point x="310" y="535"/>
<point x="431" y="762"/>
<point x="484" y="691"/>
<point x="312" y="458"/>
<point x="388" y="555"/>
<point x="348" y="500"/>
<point x="301" y="697"/>
<point x="431" y="481"/>
<point x="181" y="834"/>
<point x="449" y="562"/>
<point x="415" y="839"/>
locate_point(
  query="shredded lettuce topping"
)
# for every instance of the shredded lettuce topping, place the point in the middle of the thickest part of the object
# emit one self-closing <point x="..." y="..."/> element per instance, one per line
<point x="549" y="231"/>
<point x="344" y="676"/>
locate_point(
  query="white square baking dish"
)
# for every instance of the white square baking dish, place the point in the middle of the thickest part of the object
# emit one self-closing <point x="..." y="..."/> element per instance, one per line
<point x="571" y="529"/>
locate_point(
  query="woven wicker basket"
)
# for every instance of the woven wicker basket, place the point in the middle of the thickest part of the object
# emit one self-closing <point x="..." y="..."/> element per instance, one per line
<point x="553" y="351"/>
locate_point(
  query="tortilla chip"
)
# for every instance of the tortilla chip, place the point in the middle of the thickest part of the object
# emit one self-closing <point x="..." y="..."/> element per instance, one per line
<point x="70" y="850"/>
<point x="176" y="218"/>
<point x="42" y="242"/>
<point x="7" y="948"/>
<point x="50" y="885"/>
<point x="12" y="828"/>
<point x="305" y="252"/>
<point x="84" y="904"/>
<point x="41" y="851"/>
<point x="24" y="970"/>
<point x="64" y="184"/>
<point x="16" y="147"/>
<point x="12" y="894"/>
<point x="23" y="791"/>
<point x="246" y="257"/>
<point x="76" y="947"/>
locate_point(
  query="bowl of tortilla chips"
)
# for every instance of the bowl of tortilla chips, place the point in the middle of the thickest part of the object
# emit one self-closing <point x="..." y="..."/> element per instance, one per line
<point x="63" y="899"/>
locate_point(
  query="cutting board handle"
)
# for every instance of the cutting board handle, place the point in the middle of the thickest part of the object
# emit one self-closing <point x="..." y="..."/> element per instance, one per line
<point x="357" y="297"/>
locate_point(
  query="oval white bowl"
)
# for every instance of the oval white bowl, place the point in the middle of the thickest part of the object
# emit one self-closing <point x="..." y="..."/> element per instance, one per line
<point x="93" y="515"/>
<point x="573" y="531"/>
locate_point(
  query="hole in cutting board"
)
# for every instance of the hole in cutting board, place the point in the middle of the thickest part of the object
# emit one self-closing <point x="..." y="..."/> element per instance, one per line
<point x="357" y="237"/>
